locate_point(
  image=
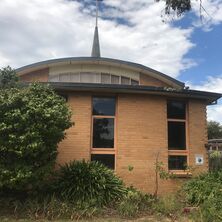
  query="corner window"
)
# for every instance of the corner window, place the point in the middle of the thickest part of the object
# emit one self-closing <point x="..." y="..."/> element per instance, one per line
<point x="103" y="130"/>
<point x="177" y="147"/>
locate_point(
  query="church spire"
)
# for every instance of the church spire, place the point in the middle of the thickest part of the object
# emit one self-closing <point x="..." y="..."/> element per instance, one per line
<point x="96" y="46"/>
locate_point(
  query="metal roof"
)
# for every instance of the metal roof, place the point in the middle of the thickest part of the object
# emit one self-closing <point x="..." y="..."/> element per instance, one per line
<point x="209" y="97"/>
<point x="96" y="46"/>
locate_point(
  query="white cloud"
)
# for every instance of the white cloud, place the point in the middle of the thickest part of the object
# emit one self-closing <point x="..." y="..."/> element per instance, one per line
<point x="211" y="13"/>
<point x="214" y="113"/>
<point x="212" y="84"/>
<point x="33" y="30"/>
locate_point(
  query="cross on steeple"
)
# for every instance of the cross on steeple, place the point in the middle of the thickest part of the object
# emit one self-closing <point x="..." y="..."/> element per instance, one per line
<point x="96" y="46"/>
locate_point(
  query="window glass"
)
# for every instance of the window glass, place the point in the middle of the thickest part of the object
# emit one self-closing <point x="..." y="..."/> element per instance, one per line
<point x="107" y="159"/>
<point x="88" y="77"/>
<point x="74" y="77"/>
<point x="125" y="80"/>
<point x="105" y="78"/>
<point x="54" y="78"/>
<point x="64" y="77"/>
<point x="176" y="110"/>
<point x="176" y="136"/>
<point x="134" y="82"/>
<point x="114" y="79"/>
<point x="103" y="133"/>
<point x="177" y="162"/>
<point x="104" y="106"/>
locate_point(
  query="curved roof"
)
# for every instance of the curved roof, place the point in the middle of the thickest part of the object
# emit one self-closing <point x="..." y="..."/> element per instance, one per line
<point x="104" y="61"/>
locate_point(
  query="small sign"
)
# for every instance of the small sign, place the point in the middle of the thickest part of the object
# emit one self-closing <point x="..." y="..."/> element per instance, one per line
<point x="199" y="159"/>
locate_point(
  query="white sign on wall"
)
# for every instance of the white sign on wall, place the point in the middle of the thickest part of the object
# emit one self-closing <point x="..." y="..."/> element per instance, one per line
<point x="199" y="159"/>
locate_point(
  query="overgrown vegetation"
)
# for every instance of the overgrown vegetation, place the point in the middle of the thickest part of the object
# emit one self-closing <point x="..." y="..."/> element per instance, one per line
<point x="200" y="188"/>
<point x="134" y="203"/>
<point x="205" y="192"/>
<point x="89" y="182"/>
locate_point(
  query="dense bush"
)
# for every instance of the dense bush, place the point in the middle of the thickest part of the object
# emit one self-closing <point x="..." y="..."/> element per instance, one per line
<point x="211" y="209"/>
<point x="134" y="203"/>
<point x="205" y="191"/>
<point x="203" y="187"/>
<point x="32" y="123"/>
<point x="90" y="182"/>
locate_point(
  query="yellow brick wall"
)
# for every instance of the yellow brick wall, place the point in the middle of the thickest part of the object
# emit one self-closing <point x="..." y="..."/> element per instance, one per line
<point x="141" y="134"/>
<point x="198" y="133"/>
<point x="77" y="142"/>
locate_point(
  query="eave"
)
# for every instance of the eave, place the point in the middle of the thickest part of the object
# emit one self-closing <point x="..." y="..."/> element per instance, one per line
<point x="209" y="97"/>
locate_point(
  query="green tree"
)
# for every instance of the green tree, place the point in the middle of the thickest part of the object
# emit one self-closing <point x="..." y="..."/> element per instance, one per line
<point x="214" y="130"/>
<point x="178" y="6"/>
<point x="8" y="77"/>
<point x="32" y="123"/>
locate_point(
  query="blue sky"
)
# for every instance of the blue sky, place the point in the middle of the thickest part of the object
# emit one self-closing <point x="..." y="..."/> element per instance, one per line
<point x="131" y="30"/>
<point x="207" y="51"/>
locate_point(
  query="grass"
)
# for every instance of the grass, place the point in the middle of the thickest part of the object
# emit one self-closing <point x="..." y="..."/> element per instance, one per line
<point x="144" y="219"/>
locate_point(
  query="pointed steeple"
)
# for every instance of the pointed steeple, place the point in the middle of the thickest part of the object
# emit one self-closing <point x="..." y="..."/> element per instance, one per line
<point x="96" y="46"/>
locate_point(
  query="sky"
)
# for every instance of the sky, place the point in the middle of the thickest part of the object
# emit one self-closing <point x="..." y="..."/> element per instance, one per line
<point x="188" y="48"/>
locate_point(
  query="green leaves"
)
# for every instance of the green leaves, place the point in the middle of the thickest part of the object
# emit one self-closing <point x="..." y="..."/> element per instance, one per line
<point x="214" y="130"/>
<point x="32" y="122"/>
<point x="205" y="191"/>
<point x="178" y="6"/>
<point x="89" y="182"/>
<point x="8" y="77"/>
<point x="206" y="185"/>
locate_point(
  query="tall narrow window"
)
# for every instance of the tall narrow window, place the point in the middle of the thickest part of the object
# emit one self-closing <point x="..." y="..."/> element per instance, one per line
<point x="103" y="130"/>
<point x="177" y="147"/>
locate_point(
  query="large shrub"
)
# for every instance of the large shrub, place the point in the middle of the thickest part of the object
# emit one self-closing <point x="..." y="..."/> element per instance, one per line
<point x="203" y="187"/>
<point x="89" y="182"/>
<point x="32" y="123"/>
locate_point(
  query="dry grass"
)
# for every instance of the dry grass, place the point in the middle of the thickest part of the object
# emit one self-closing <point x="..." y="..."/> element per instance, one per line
<point x="144" y="219"/>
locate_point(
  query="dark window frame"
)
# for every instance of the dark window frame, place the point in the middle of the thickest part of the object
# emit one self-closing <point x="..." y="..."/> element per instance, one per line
<point x="176" y="151"/>
<point x="105" y="154"/>
<point x="183" y="168"/>
<point x="108" y="151"/>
